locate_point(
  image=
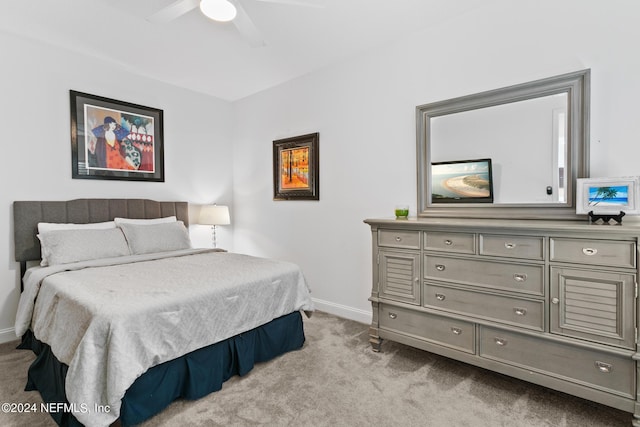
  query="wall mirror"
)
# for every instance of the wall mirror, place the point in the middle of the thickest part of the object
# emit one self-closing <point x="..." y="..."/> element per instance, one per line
<point x="536" y="136"/>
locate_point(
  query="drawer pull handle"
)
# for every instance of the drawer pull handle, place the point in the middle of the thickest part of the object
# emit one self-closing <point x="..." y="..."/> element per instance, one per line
<point x="440" y="267"/>
<point x="456" y="331"/>
<point x="604" y="367"/>
<point x="510" y="245"/>
<point x="440" y="297"/>
<point x="500" y="341"/>
<point x="589" y="251"/>
<point x="520" y="311"/>
<point x="393" y="315"/>
<point x="520" y="277"/>
<point x="398" y="239"/>
<point x="555" y="300"/>
<point x="448" y="242"/>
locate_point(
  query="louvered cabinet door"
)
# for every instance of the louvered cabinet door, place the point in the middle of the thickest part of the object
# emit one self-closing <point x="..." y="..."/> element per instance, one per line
<point x="593" y="305"/>
<point x="400" y="276"/>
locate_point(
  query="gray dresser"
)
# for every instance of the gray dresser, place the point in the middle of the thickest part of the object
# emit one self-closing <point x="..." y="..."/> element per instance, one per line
<point x="550" y="302"/>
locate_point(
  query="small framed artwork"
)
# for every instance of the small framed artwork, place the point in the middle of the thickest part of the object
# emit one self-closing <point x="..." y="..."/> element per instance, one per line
<point x="115" y="140"/>
<point x="462" y="181"/>
<point x="608" y="196"/>
<point x="296" y="168"/>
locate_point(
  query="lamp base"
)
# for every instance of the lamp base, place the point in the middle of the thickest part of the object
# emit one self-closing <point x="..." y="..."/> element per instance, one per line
<point x="213" y="236"/>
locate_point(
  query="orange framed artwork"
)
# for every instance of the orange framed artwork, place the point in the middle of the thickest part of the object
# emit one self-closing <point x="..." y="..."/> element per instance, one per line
<point x="295" y="168"/>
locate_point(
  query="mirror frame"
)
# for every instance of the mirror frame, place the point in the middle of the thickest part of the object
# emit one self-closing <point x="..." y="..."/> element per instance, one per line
<point x="576" y="85"/>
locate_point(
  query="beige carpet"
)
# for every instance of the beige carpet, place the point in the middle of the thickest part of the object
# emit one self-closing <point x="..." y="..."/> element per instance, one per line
<point x="336" y="380"/>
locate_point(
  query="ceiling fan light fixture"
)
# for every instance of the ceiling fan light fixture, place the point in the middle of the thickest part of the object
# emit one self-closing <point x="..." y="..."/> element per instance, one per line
<point x="218" y="10"/>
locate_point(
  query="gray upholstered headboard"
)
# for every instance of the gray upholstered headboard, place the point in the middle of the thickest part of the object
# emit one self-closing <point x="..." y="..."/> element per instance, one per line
<point x="27" y="215"/>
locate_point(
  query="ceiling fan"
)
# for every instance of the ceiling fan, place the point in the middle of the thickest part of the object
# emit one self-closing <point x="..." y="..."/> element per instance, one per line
<point x="224" y="11"/>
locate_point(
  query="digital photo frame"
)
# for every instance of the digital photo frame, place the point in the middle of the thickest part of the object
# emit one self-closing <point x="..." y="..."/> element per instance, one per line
<point x="608" y="196"/>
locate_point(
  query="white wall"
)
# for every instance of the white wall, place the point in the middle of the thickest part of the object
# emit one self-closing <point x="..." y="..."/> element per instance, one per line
<point x="364" y="110"/>
<point x="35" y="80"/>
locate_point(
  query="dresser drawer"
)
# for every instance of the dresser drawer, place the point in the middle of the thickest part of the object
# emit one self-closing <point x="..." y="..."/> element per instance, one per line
<point x="610" y="253"/>
<point x="604" y="371"/>
<point x="464" y="243"/>
<point x="399" y="239"/>
<point x="525" y="247"/>
<point x="522" y="278"/>
<point x="441" y="330"/>
<point x="514" y="311"/>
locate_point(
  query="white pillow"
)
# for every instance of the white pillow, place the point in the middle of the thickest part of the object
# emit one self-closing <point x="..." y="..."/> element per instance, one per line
<point x="119" y="221"/>
<point x="163" y="237"/>
<point x="65" y="246"/>
<point x="44" y="227"/>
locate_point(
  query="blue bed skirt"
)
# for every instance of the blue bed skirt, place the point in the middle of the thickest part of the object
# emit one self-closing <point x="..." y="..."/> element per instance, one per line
<point x="191" y="376"/>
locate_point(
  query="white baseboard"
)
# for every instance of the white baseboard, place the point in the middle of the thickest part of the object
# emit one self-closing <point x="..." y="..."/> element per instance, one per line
<point x="340" y="310"/>
<point x="7" y="335"/>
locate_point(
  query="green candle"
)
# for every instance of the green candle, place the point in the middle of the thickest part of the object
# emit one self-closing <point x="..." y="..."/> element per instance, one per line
<point x="402" y="212"/>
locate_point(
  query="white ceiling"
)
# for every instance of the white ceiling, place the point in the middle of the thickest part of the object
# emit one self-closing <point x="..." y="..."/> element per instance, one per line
<point x="210" y="57"/>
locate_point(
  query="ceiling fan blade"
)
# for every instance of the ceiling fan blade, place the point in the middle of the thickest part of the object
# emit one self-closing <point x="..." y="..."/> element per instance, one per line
<point x="173" y="11"/>
<point x="247" y="28"/>
<point x="318" y="4"/>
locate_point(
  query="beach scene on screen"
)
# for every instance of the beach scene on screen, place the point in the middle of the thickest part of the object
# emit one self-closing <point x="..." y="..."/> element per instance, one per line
<point x="609" y="196"/>
<point x="461" y="180"/>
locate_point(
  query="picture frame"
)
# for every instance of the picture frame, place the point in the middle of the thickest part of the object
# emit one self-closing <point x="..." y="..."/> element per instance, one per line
<point x="296" y="168"/>
<point x="608" y="196"/>
<point x="462" y="181"/>
<point x="115" y="140"/>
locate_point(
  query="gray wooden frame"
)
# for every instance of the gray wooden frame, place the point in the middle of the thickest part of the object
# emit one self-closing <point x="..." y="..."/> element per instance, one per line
<point x="576" y="85"/>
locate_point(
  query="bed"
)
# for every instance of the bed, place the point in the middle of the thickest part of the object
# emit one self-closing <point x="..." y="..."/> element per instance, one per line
<point x="120" y="330"/>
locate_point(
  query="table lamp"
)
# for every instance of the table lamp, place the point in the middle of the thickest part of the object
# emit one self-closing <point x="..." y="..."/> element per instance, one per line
<point x="214" y="215"/>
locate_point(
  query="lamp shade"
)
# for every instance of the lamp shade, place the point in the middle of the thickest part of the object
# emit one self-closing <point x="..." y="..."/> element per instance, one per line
<point x="218" y="10"/>
<point x="214" y="215"/>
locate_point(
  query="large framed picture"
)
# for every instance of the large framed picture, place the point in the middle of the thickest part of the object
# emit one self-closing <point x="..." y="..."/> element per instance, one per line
<point x="296" y="168"/>
<point x="603" y="196"/>
<point x="115" y="140"/>
<point x="462" y="181"/>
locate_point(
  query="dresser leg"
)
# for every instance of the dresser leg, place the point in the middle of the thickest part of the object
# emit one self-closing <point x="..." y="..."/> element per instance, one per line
<point x="374" y="339"/>
<point x="636" y="414"/>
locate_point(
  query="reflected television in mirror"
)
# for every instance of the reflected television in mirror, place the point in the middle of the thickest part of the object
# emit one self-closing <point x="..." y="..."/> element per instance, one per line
<point x="462" y="181"/>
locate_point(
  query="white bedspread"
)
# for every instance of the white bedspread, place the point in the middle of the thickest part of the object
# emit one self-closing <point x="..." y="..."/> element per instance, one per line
<point x="112" y="320"/>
